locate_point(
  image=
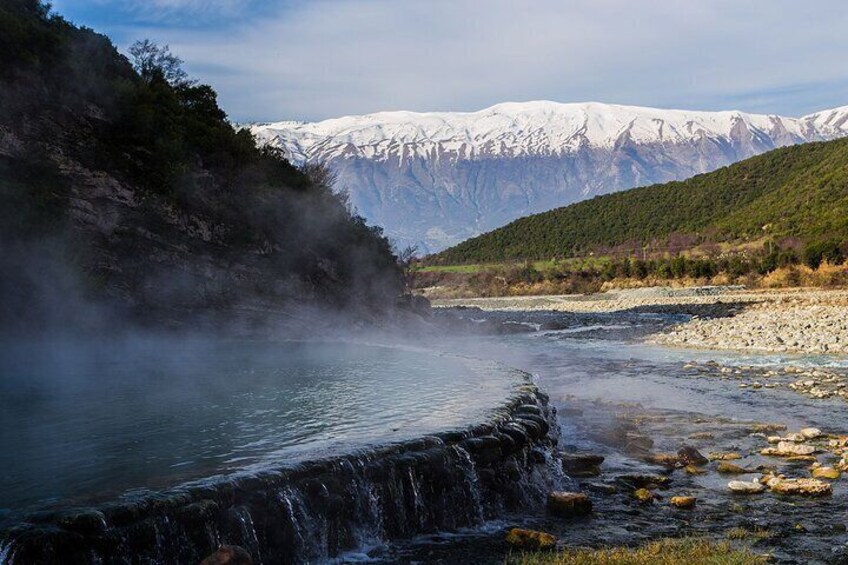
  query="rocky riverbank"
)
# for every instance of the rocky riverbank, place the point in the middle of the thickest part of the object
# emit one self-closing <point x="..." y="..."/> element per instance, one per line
<point x="801" y="324"/>
<point x="787" y="321"/>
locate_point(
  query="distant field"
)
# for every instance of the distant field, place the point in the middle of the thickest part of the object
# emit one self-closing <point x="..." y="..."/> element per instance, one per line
<point x="537" y="265"/>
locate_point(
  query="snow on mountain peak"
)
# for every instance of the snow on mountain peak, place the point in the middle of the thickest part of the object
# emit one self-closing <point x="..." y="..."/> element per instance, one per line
<point x="833" y="122"/>
<point x="511" y="129"/>
<point x="435" y="178"/>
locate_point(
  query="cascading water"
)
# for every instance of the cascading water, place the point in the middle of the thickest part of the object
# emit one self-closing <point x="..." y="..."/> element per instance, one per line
<point x="319" y="509"/>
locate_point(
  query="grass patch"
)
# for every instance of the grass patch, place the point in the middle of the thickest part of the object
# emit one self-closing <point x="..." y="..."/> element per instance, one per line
<point x="481" y="267"/>
<point x="468" y="269"/>
<point x="690" y="551"/>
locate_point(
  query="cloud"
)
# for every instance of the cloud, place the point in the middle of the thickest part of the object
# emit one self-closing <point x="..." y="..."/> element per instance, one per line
<point x="163" y="9"/>
<point x="332" y="57"/>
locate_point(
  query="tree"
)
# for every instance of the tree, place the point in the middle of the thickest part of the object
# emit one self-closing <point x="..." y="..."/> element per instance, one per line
<point x="405" y="260"/>
<point x="151" y="60"/>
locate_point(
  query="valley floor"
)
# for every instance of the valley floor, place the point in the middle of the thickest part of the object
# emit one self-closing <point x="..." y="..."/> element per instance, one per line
<point x="786" y="320"/>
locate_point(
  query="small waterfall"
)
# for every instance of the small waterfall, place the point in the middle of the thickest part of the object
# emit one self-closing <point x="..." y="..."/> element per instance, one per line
<point x="322" y="509"/>
<point x="6" y="554"/>
<point x="471" y="482"/>
<point x="247" y="538"/>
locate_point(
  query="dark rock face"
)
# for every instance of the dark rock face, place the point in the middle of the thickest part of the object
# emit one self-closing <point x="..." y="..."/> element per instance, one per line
<point x="320" y="509"/>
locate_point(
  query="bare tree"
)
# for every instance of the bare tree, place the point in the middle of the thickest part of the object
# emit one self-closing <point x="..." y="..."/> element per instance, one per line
<point x="149" y="60"/>
<point x="405" y="259"/>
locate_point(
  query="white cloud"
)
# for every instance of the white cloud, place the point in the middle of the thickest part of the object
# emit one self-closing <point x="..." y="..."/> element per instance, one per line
<point x="326" y="58"/>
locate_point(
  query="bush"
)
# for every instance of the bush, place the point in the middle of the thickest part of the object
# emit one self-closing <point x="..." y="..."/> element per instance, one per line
<point x="816" y="252"/>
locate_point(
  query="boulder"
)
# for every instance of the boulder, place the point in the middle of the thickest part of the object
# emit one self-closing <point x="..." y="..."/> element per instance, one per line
<point x="805" y="487"/>
<point x="568" y="504"/>
<point x="667" y="460"/>
<point x="581" y="465"/>
<point x="789" y="449"/>
<point x="643" y="495"/>
<point x="690" y="456"/>
<point x="633" y="482"/>
<point x="726" y="468"/>
<point x="746" y="487"/>
<point x="811" y="433"/>
<point x="530" y="540"/>
<point x="602" y="488"/>
<point x="683" y="501"/>
<point x="826" y="473"/>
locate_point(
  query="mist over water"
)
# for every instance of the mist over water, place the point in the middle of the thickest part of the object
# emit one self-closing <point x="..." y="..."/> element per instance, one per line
<point x="85" y="421"/>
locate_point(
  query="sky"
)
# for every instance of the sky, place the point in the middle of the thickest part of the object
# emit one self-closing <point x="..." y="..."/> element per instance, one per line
<point x="318" y="59"/>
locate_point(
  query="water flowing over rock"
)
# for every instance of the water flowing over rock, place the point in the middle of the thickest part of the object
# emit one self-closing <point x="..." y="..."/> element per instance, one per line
<point x="321" y="509"/>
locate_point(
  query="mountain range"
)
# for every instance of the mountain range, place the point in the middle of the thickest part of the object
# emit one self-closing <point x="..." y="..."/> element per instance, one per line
<point x="434" y="179"/>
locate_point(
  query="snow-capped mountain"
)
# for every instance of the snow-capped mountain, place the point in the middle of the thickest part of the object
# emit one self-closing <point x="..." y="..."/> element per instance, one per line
<point x="434" y="179"/>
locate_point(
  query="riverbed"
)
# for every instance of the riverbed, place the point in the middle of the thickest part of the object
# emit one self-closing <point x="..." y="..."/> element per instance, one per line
<point x="604" y="378"/>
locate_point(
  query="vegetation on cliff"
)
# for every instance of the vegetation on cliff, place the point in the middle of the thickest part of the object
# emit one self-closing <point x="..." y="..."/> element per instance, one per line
<point x="127" y="178"/>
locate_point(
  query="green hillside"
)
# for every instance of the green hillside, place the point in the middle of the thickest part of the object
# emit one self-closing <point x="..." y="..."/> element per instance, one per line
<point x="125" y="189"/>
<point x="799" y="192"/>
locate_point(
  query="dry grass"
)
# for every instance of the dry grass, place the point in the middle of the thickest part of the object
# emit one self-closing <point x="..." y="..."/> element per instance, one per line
<point x="690" y="551"/>
<point x="826" y="275"/>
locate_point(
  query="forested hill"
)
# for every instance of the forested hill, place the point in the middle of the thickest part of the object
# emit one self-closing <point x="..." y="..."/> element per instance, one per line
<point x="123" y="186"/>
<point x="798" y="192"/>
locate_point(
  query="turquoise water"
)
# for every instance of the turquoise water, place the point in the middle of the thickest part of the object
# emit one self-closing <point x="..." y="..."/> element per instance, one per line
<point x="84" y="422"/>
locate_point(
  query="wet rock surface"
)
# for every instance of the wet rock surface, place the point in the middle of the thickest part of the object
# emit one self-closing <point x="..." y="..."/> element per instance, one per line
<point x="321" y="509"/>
<point x="568" y="504"/>
<point x="530" y="540"/>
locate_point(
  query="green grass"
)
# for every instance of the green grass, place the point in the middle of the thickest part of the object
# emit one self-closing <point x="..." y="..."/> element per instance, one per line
<point x="691" y="551"/>
<point x="563" y="264"/>
<point x="466" y="269"/>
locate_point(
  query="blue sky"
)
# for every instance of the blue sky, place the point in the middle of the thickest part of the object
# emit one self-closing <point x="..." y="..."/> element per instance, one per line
<point x="325" y="58"/>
